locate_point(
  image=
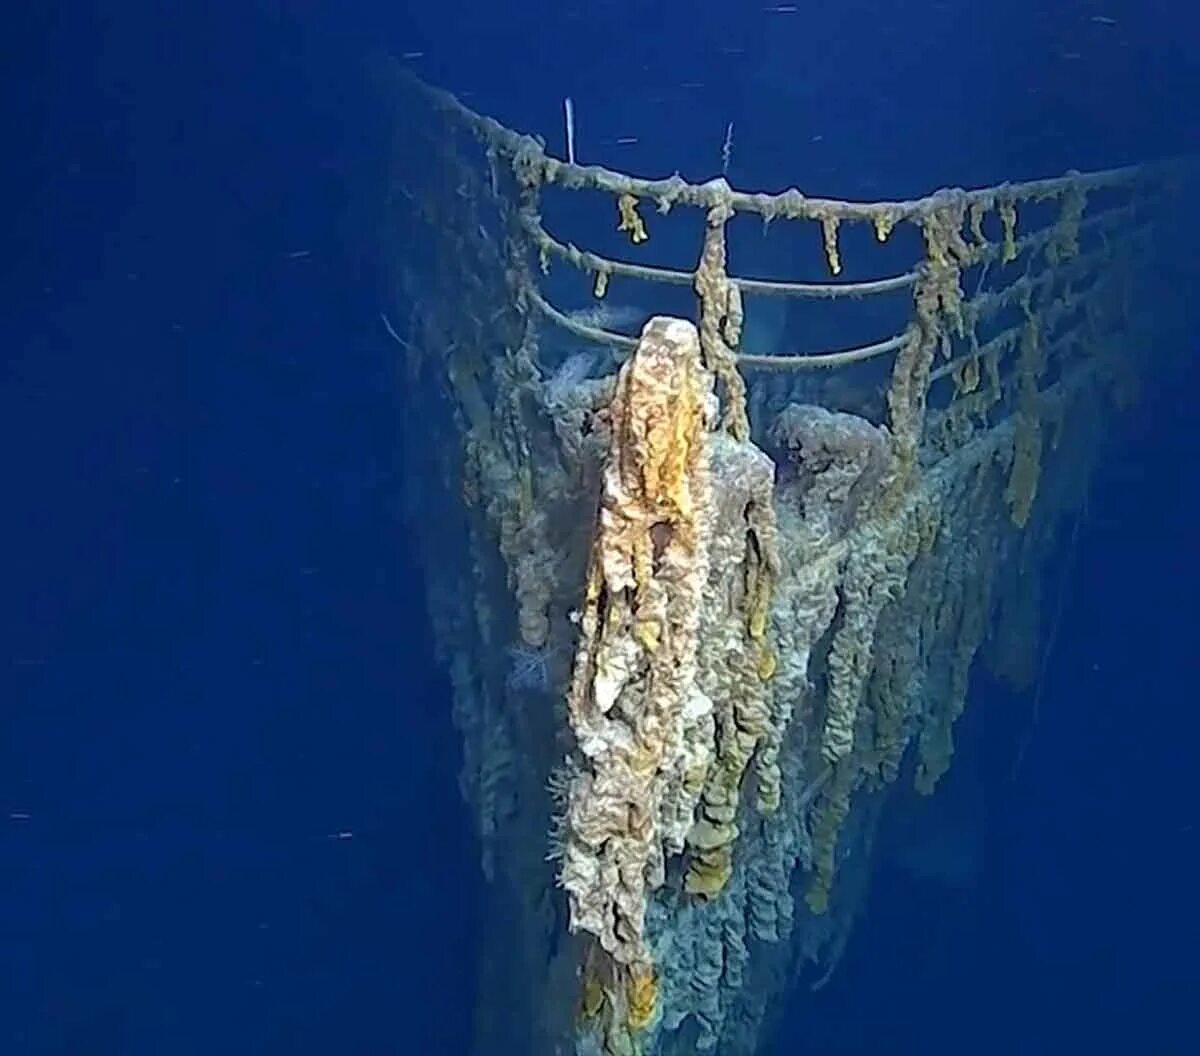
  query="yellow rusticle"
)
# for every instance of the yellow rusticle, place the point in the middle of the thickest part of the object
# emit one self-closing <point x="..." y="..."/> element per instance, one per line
<point x="976" y="214"/>
<point x="966" y="376"/>
<point x="829" y="235"/>
<point x="631" y="221"/>
<point x="634" y="706"/>
<point x="721" y="318"/>
<point x="1064" y="241"/>
<point x="830" y="813"/>
<point x="641" y="996"/>
<point x="1008" y="218"/>
<point x="591" y="998"/>
<point x="1022" y="486"/>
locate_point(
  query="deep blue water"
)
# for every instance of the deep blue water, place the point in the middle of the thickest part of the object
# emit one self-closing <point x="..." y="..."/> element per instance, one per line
<point x="229" y="818"/>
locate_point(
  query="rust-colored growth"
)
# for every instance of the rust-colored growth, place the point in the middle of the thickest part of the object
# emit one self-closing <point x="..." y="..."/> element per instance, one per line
<point x="1022" y="486"/>
<point x="829" y="235"/>
<point x="885" y="223"/>
<point x="631" y="221"/>
<point x="1064" y="242"/>
<point x="966" y="376"/>
<point x="721" y="320"/>
<point x="709" y="872"/>
<point x="659" y="416"/>
<point x="598" y="1003"/>
<point x="712" y="837"/>
<point x="768" y="663"/>
<point x="1008" y="219"/>
<point x="635" y="663"/>
<point x="758" y="593"/>
<point x="591" y="998"/>
<point x="976" y="213"/>
<point x="641" y="996"/>
<point x="668" y="416"/>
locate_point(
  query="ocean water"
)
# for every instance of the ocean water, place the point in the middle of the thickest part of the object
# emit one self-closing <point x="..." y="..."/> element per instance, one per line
<point x="230" y="818"/>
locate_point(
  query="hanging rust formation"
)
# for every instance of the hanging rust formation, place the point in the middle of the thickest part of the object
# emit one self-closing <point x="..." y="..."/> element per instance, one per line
<point x="709" y="593"/>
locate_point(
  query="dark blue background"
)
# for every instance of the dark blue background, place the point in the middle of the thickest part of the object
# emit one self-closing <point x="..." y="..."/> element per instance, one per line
<point x="215" y="658"/>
